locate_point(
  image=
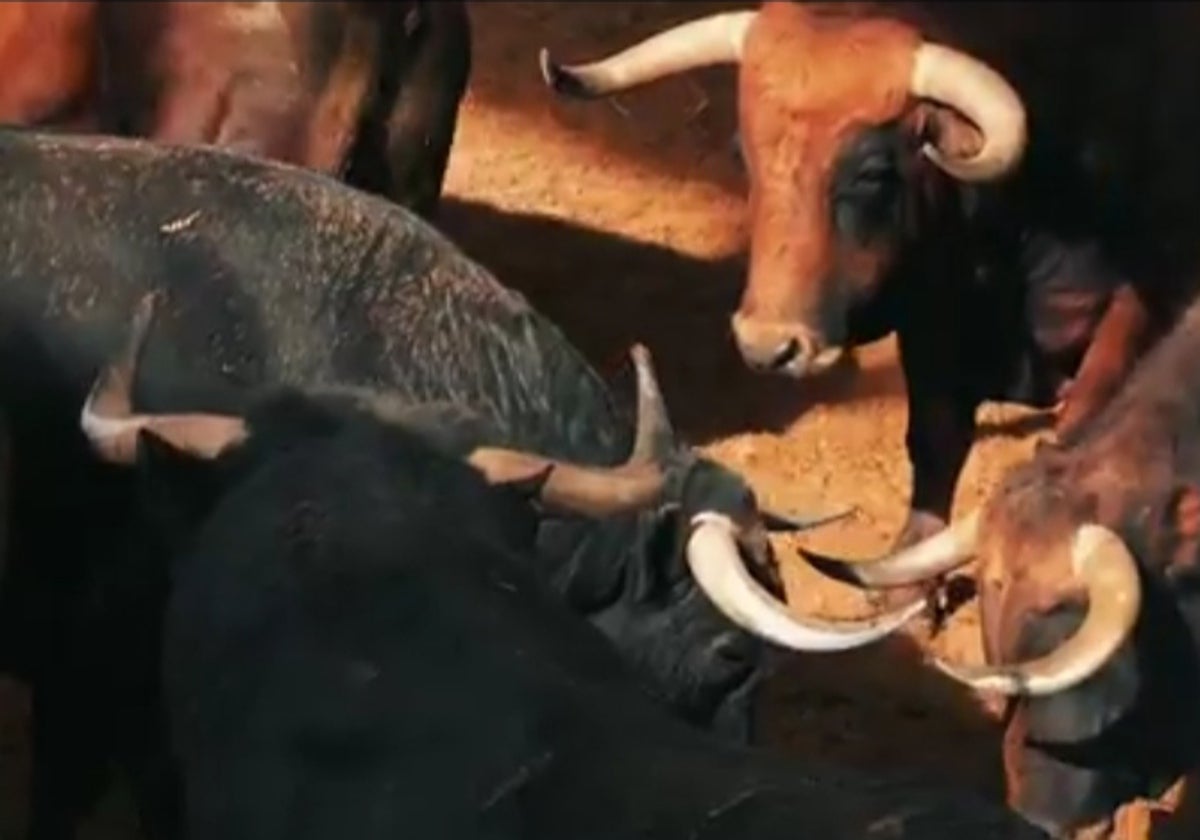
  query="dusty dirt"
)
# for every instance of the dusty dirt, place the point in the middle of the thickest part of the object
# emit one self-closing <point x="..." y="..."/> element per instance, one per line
<point x="623" y="220"/>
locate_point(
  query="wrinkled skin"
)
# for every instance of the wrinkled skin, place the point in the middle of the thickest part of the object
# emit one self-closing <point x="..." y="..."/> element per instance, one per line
<point x="275" y="275"/>
<point x="330" y="566"/>
<point x="1130" y="730"/>
<point x="365" y="91"/>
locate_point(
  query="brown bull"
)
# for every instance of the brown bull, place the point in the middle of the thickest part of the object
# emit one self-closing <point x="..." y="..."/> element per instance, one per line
<point x="1008" y="186"/>
<point x="1089" y="580"/>
<point x="365" y="91"/>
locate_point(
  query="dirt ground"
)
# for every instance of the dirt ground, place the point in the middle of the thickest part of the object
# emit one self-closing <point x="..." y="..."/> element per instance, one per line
<point x="623" y="220"/>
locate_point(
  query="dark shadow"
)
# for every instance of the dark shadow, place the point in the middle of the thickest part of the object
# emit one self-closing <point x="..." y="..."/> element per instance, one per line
<point x="883" y="709"/>
<point x="1184" y="822"/>
<point x="606" y="292"/>
<point x="681" y="125"/>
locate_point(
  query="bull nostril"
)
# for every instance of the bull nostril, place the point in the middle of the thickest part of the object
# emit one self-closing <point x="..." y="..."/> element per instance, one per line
<point x="785" y="355"/>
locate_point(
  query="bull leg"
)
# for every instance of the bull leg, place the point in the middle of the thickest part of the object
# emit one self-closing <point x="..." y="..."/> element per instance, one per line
<point x="156" y="793"/>
<point x="68" y="762"/>
<point x="941" y="429"/>
<point x="421" y="125"/>
<point x="1118" y="340"/>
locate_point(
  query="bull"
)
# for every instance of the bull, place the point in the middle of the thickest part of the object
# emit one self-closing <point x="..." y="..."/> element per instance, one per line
<point x="967" y="176"/>
<point x="366" y="91"/>
<point x="1089" y="565"/>
<point x="274" y="274"/>
<point x="354" y="644"/>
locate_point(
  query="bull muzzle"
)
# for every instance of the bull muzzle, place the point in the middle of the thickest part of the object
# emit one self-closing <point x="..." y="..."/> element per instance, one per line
<point x="786" y="348"/>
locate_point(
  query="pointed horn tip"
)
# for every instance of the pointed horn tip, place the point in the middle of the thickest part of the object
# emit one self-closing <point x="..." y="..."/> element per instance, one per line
<point x="560" y="79"/>
<point x="643" y="363"/>
<point x="785" y="522"/>
<point x="834" y="568"/>
<point x="143" y="316"/>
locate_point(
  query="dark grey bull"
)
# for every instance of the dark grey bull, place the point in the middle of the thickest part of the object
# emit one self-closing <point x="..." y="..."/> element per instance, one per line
<point x="354" y="646"/>
<point x="272" y="274"/>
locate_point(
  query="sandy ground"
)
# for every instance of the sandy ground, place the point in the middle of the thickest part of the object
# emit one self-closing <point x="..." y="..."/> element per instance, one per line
<point x="623" y="221"/>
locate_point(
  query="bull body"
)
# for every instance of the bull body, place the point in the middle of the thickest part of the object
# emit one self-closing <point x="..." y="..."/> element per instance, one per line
<point x="354" y="646"/>
<point x="1130" y="729"/>
<point x="1037" y="276"/>
<point x="1089" y="559"/>
<point x="369" y="91"/>
<point x="281" y="275"/>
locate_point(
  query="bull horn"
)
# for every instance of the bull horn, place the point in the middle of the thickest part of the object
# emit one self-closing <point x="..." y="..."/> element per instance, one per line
<point x="715" y="39"/>
<point x="978" y="92"/>
<point x="945" y="551"/>
<point x="776" y="521"/>
<point x="655" y="438"/>
<point x="111" y="426"/>
<point x="716" y="565"/>
<point x="1102" y="560"/>
<point x="597" y="491"/>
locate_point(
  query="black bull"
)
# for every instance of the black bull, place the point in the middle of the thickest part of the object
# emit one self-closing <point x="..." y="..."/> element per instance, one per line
<point x="354" y="646"/>
<point x="274" y="274"/>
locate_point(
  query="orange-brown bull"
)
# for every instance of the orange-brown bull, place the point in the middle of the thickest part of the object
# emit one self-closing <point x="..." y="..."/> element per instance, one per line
<point x="1005" y="185"/>
<point x="366" y="91"/>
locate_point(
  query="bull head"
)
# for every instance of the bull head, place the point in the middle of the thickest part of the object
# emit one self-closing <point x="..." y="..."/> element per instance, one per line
<point x="1100" y="562"/>
<point x="827" y="109"/>
<point x="713" y="547"/>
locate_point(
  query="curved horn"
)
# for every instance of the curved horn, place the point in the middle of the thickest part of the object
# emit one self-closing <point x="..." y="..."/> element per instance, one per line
<point x="655" y="437"/>
<point x="716" y="39"/>
<point x="716" y="564"/>
<point x="975" y="90"/>
<point x="776" y="521"/>
<point x="597" y="491"/>
<point x="111" y="426"/>
<point x="1102" y="560"/>
<point x="588" y="491"/>
<point x="945" y="551"/>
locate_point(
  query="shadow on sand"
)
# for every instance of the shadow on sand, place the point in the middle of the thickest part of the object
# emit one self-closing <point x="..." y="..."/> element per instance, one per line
<point x="607" y="292"/>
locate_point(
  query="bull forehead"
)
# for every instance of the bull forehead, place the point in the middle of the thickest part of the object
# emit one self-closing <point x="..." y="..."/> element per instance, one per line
<point x="829" y="73"/>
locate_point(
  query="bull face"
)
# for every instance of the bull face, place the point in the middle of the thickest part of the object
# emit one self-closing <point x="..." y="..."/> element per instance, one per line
<point x="1095" y="650"/>
<point x="838" y="116"/>
<point x="683" y="645"/>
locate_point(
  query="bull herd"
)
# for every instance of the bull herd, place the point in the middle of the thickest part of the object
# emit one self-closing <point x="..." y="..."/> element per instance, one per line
<point x="314" y="529"/>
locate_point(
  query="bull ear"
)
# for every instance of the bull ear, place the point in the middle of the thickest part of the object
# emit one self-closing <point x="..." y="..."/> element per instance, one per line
<point x="1183" y="526"/>
<point x="176" y="490"/>
<point x="946" y="130"/>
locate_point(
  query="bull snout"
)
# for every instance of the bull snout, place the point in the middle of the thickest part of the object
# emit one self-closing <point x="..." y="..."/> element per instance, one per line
<point x="784" y="347"/>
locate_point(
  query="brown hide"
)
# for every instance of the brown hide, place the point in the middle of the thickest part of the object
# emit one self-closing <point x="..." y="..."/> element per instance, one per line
<point x="47" y="52"/>
<point x="280" y="80"/>
<point x="289" y="81"/>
